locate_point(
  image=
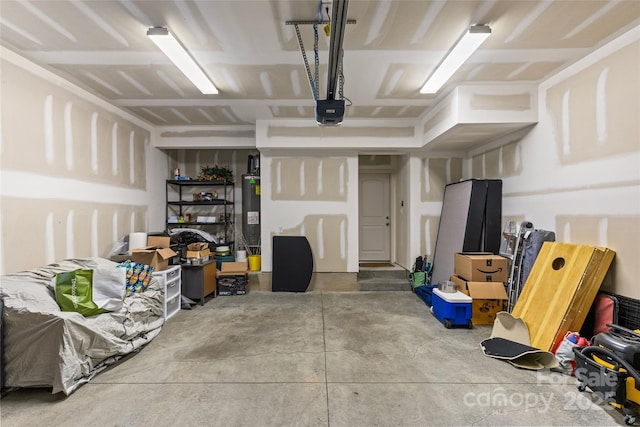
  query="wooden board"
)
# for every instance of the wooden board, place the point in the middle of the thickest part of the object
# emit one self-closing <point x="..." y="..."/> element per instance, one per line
<point x="560" y="289"/>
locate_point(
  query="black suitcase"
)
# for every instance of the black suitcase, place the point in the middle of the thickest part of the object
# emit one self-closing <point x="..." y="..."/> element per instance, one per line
<point x="621" y="341"/>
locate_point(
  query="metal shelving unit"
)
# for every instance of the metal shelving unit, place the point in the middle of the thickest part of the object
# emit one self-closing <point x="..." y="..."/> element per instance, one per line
<point x="180" y="203"/>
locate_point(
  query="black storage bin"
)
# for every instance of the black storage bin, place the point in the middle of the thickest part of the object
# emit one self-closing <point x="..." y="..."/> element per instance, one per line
<point x="609" y="384"/>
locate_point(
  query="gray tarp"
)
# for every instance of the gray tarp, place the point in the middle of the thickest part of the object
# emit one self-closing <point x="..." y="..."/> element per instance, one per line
<point x="46" y="347"/>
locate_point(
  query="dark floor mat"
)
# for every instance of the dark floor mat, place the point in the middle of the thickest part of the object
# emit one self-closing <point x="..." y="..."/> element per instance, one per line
<point x="509" y="341"/>
<point x="519" y="355"/>
<point x="376" y="264"/>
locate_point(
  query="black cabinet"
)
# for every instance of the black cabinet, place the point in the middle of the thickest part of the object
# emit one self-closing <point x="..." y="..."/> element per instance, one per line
<point x="199" y="281"/>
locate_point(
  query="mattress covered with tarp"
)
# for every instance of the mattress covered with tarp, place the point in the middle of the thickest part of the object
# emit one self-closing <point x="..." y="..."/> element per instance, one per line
<point x="47" y="347"/>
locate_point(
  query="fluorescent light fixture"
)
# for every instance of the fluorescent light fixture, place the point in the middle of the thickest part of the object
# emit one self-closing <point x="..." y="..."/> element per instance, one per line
<point x="470" y="41"/>
<point x="181" y="58"/>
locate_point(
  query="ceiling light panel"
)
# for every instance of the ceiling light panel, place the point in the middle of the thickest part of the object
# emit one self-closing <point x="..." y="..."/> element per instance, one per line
<point x="466" y="46"/>
<point x="182" y="59"/>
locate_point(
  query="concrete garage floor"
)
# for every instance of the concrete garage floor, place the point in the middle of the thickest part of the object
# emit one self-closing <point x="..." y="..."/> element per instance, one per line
<point x="313" y="359"/>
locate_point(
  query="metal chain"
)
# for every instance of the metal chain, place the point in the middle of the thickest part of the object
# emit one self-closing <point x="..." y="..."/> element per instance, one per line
<point x="317" y="62"/>
<point x="306" y="63"/>
<point x="340" y="77"/>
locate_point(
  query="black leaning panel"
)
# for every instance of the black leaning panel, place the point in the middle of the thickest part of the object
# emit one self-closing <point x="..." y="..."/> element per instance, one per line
<point x="493" y="217"/>
<point x="292" y="264"/>
<point x="475" y="217"/>
<point x="2" y="376"/>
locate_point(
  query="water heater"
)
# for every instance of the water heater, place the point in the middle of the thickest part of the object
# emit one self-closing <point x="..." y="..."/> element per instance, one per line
<point x="251" y="209"/>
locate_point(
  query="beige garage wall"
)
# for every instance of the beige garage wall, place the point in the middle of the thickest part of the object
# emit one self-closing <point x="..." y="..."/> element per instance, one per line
<point x="578" y="171"/>
<point x="75" y="170"/>
<point x="314" y="196"/>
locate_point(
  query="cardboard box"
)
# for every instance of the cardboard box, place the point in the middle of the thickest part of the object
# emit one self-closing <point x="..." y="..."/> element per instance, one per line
<point x="232" y="278"/>
<point x="157" y="253"/>
<point x="480" y="267"/>
<point x="488" y="299"/>
<point x="198" y="250"/>
<point x="205" y="254"/>
<point x="462" y="284"/>
<point x="233" y="269"/>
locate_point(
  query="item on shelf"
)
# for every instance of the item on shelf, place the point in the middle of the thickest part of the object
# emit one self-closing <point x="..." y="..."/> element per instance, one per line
<point x="223" y="250"/>
<point x="207" y="219"/>
<point x="198" y="251"/>
<point x="216" y="173"/>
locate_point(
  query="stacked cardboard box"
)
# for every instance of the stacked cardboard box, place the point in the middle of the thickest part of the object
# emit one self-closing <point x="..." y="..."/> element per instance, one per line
<point x="482" y="276"/>
<point x="198" y="250"/>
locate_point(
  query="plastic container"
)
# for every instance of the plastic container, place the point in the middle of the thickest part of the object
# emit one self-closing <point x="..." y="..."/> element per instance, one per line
<point x="223" y="250"/>
<point x="223" y="258"/>
<point x="425" y="292"/>
<point x="241" y="256"/>
<point x="447" y="286"/>
<point x="255" y="262"/>
<point x="452" y="308"/>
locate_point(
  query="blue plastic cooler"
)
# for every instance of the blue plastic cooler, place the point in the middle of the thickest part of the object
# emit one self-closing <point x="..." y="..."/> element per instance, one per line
<point x="452" y="308"/>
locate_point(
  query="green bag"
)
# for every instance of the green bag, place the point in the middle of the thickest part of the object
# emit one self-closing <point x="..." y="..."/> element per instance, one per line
<point x="90" y="292"/>
<point x="418" y="278"/>
<point x="74" y="291"/>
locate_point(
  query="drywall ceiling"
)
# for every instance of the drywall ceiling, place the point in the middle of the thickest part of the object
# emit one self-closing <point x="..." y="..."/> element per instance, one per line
<point x="254" y="59"/>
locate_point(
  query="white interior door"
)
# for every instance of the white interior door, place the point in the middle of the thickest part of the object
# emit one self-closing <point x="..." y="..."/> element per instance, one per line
<point x="375" y="220"/>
